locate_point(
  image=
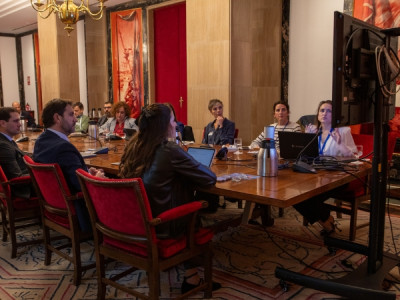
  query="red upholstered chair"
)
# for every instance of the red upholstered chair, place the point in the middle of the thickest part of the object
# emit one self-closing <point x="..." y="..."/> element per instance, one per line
<point x="125" y="231"/>
<point x="17" y="212"/>
<point x="358" y="190"/>
<point x="58" y="214"/>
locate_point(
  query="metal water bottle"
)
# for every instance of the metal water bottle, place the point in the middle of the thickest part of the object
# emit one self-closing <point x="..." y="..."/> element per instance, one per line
<point x="93" y="130"/>
<point x="267" y="160"/>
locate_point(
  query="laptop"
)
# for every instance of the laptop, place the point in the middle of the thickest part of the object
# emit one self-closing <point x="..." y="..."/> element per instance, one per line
<point x="129" y="132"/>
<point x="292" y="143"/>
<point x="202" y="155"/>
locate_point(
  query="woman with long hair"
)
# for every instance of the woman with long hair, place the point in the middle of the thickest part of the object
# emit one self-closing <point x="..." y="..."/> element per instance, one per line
<point x="170" y="175"/>
<point x="332" y="142"/>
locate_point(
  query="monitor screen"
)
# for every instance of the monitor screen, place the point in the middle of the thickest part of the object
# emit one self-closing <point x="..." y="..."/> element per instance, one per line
<point x="355" y="72"/>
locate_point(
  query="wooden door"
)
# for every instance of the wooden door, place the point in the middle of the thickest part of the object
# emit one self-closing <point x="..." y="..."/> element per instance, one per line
<point x="170" y="57"/>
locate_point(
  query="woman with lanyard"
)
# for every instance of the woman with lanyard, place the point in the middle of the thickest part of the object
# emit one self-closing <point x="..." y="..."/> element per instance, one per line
<point x="332" y="142"/>
<point x="281" y="115"/>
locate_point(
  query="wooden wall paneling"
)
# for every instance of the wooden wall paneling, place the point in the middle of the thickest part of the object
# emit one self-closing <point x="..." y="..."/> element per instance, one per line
<point x="58" y="60"/>
<point x="208" y="59"/>
<point x="256" y="64"/>
<point x="96" y="62"/>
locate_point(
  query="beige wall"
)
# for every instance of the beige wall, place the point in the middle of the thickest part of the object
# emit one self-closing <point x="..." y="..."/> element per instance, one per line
<point x="58" y="60"/>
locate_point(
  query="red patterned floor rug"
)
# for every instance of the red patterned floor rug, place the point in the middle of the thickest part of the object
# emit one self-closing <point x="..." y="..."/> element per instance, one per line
<point x="244" y="262"/>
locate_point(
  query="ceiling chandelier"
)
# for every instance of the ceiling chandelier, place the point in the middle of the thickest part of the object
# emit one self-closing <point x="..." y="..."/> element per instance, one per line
<point x="67" y="10"/>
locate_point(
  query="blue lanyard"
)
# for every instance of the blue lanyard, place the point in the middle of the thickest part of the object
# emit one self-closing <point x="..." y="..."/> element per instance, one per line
<point x="321" y="150"/>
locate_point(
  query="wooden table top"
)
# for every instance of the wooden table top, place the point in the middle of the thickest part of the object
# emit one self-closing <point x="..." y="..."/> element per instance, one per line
<point x="284" y="190"/>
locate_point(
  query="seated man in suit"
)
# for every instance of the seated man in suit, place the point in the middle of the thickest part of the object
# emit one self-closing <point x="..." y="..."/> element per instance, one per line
<point x="24" y="114"/>
<point x="82" y="122"/>
<point x="11" y="157"/>
<point x="53" y="146"/>
<point x="107" y="113"/>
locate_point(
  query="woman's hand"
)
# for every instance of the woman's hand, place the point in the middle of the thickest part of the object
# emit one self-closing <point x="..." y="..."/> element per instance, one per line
<point x="311" y="128"/>
<point x="336" y="136"/>
<point x="218" y="121"/>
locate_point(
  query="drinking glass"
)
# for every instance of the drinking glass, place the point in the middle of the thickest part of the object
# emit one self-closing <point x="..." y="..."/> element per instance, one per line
<point x="358" y="153"/>
<point x="238" y="145"/>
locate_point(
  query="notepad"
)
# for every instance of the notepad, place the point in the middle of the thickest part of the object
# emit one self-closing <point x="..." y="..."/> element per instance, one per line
<point x="87" y="154"/>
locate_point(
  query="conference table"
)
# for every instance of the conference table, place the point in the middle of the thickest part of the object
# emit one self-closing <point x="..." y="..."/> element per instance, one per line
<point x="284" y="190"/>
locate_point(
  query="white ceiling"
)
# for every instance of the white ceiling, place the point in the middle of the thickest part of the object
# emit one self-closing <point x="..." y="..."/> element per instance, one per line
<point x="18" y="16"/>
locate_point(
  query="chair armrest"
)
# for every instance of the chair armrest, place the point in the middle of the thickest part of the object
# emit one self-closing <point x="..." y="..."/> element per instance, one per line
<point x="180" y="211"/>
<point x="20" y="180"/>
<point x="77" y="196"/>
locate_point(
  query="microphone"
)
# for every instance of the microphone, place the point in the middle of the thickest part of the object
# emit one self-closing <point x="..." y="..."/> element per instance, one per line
<point x="101" y="150"/>
<point x="300" y="166"/>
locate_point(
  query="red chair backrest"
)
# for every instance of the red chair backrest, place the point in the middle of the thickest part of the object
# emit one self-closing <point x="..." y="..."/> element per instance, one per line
<point x="368" y="144"/>
<point x="50" y="181"/>
<point x="5" y="190"/>
<point x="120" y="204"/>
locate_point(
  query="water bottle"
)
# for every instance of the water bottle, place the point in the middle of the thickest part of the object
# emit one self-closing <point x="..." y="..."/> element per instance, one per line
<point x="24" y="124"/>
<point x="99" y="112"/>
<point x="93" y="130"/>
<point x="93" y="113"/>
<point x="267" y="159"/>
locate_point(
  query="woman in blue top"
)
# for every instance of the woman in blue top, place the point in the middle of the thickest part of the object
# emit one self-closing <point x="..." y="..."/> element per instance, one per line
<point x="221" y="131"/>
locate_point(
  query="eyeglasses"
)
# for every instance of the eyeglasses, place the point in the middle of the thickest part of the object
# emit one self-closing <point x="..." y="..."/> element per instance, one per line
<point x="107" y="107"/>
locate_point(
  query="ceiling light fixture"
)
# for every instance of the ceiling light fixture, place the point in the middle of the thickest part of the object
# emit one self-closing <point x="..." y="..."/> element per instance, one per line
<point x="67" y="10"/>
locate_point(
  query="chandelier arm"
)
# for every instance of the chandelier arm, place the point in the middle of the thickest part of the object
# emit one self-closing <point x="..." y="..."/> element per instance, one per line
<point x="97" y="15"/>
<point x="50" y="5"/>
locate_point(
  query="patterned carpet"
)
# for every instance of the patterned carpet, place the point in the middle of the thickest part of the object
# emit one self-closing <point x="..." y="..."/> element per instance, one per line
<point x="244" y="262"/>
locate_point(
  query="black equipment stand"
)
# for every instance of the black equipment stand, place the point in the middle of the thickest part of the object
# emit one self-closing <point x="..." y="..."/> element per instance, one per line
<point x="366" y="281"/>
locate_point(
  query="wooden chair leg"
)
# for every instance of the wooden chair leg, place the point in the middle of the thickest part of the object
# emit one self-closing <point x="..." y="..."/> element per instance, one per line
<point x="338" y="204"/>
<point x="353" y="221"/>
<point x="240" y="203"/>
<point x="47" y="243"/>
<point x="76" y="260"/>
<point x="208" y="272"/>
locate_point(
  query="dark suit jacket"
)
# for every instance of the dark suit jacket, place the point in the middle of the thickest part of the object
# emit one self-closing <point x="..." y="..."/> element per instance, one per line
<point x="27" y="116"/>
<point x="50" y="148"/>
<point x="13" y="165"/>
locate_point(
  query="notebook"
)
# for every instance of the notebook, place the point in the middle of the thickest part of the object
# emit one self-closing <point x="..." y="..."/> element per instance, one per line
<point x="292" y="143"/>
<point x="202" y="155"/>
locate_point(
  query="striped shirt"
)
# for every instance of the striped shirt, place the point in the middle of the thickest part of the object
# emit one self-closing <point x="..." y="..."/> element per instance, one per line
<point x="291" y="126"/>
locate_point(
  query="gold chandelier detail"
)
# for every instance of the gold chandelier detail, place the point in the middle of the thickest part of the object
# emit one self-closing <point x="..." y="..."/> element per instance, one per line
<point x="68" y="11"/>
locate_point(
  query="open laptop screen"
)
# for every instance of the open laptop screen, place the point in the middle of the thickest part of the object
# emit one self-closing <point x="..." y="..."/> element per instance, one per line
<point x="202" y="155"/>
<point x="292" y="143"/>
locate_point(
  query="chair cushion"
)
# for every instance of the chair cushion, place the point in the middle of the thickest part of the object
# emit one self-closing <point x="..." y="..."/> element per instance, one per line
<point x="166" y="248"/>
<point x="22" y="203"/>
<point x="63" y="221"/>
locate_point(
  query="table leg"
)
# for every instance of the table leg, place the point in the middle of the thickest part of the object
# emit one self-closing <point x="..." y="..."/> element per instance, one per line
<point x="266" y="218"/>
<point x="248" y="209"/>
